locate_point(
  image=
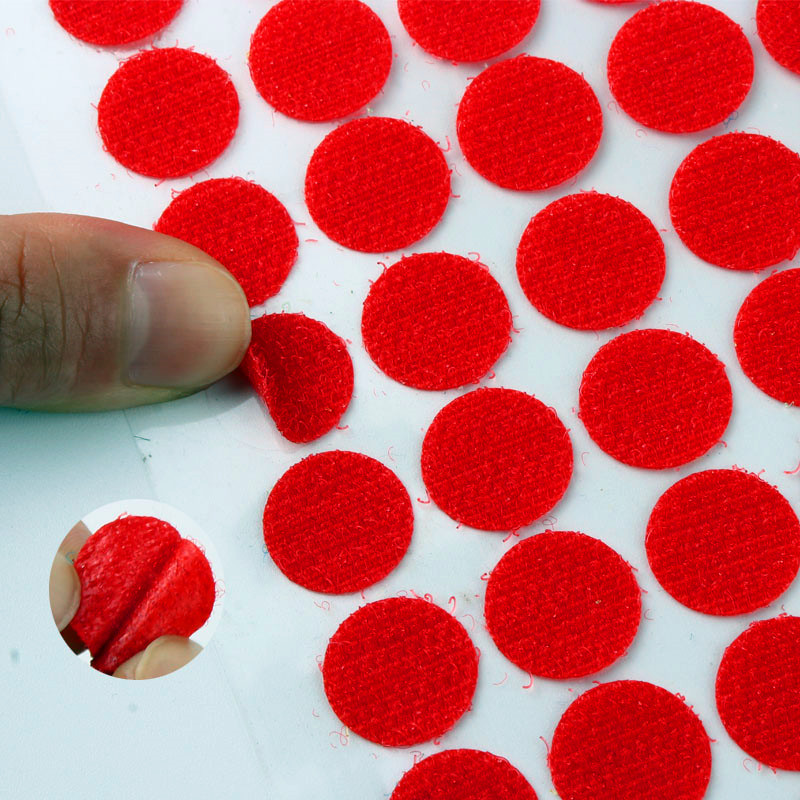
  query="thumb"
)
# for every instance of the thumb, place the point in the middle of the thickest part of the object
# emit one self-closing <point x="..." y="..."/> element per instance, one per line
<point x="95" y="314"/>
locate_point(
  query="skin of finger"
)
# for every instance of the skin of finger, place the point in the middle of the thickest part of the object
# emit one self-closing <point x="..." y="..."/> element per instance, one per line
<point x="161" y="657"/>
<point x="65" y="587"/>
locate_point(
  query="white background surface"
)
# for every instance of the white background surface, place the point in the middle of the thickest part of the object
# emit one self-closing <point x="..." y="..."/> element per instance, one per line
<point x="249" y="718"/>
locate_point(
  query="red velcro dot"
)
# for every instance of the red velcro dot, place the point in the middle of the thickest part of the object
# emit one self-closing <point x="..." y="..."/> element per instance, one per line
<point x="168" y="112"/>
<point x="562" y="605"/>
<point x="468" y="30"/>
<point x="400" y="672"/>
<point x="778" y="24"/>
<point x="319" y="60"/>
<point x="758" y="692"/>
<point x="723" y="542"/>
<point x="114" y="22"/>
<point x="303" y="372"/>
<point x="241" y="225"/>
<point x="630" y="740"/>
<point x="338" y="522"/>
<point x="529" y="123"/>
<point x="655" y="399"/>
<point x="735" y="201"/>
<point x="377" y="184"/>
<point x="591" y="261"/>
<point x="463" y="775"/>
<point x="680" y="67"/>
<point x="436" y="321"/>
<point x="496" y="459"/>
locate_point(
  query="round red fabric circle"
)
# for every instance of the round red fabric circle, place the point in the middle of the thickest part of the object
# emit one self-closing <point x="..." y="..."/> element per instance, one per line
<point x="377" y="184"/>
<point x="463" y="775"/>
<point x="529" y="123"/>
<point x="338" y="522"/>
<point x="562" y="605"/>
<point x="114" y="22"/>
<point x="735" y="201"/>
<point x="778" y="24"/>
<point x="319" y="60"/>
<point x="758" y="692"/>
<point x="723" y="542"/>
<point x="496" y="459"/>
<point x="655" y="399"/>
<point x="436" y="321"/>
<point x="628" y="740"/>
<point x="680" y="67"/>
<point x="400" y="672"/>
<point x="468" y="30"/>
<point x="591" y="261"/>
<point x="767" y="336"/>
<point x="167" y="113"/>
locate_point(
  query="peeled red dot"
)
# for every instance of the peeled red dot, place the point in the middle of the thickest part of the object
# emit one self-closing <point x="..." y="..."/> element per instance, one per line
<point x="400" y="672"/>
<point x="778" y="23"/>
<point x="735" y="201"/>
<point x="591" y="261"/>
<point x="377" y="184"/>
<point x="529" y="123"/>
<point x="655" y="399"/>
<point x="168" y="112"/>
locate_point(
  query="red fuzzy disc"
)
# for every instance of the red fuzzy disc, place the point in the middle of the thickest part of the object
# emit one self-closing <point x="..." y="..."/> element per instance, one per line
<point x="241" y="225"/>
<point x="562" y="605"/>
<point x="338" y="522"/>
<point x="680" y="67"/>
<point x="630" y="740"/>
<point x="468" y="30"/>
<point x="303" y="372"/>
<point x="655" y="399"/>
<point x="758" y="692"/>
<point x="529" y="123"/>
<point x="436" y="321"/>
<point x="463" y="775"/>
<point x="735" y="201"/>
<point x="778" y="24"/>
<point x="400" y="672"/>
<point x="591" y="261"/>
<point x="319" y="60"/>
<point x="496" y="459"/>
<point x="377" y="184"/>
<point x="114" y="22"/>
<point x="767" y="336"/>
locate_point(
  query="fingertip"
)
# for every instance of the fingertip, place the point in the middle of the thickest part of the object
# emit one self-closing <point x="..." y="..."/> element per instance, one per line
<point x="161" y="657"/>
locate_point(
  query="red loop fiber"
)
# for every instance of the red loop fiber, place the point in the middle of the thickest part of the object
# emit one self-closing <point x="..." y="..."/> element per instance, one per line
<point x="468" y="30"/>
<point x="436" y="321"/>
<point x="319" y="60"/>
<point x="735" y="201"/>
<point x="400" y="672"/>
<point x="680" y="67"/>
<point x="303" y="372"/>
<point x="377" y="184"/>
<point x="338" y="522"/>
<point x="655" y="399"/>
<point x="591" y="261"/>
<point x="758" y="692"/>
<point x="167" y="113"/>
<point x="778" y="24"/>
<point x="241" y="225"/>
<point x="630" y="740"/>
<point x="496" y="459"/>
<point x="562" y="605"/>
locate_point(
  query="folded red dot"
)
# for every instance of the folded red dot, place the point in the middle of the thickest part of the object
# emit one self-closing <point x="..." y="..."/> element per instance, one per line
<point x="758" y="692"/>
<point x="302" y="371"/>
<point x="241" y="225"/>
<point x="529" y="123"/>
<point x="168" y="112"/>
<point x="377" y="184"/>
<point x="319" y="60"/>
<point x="400" y="671"/>
<point x="655" y="399"/>
<point x="591" y="261"/>
<point x="735" y="201"/>
<point x="778" y="23"/>
<point x="628" y="740"/>
<point x="496" y="459"/>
